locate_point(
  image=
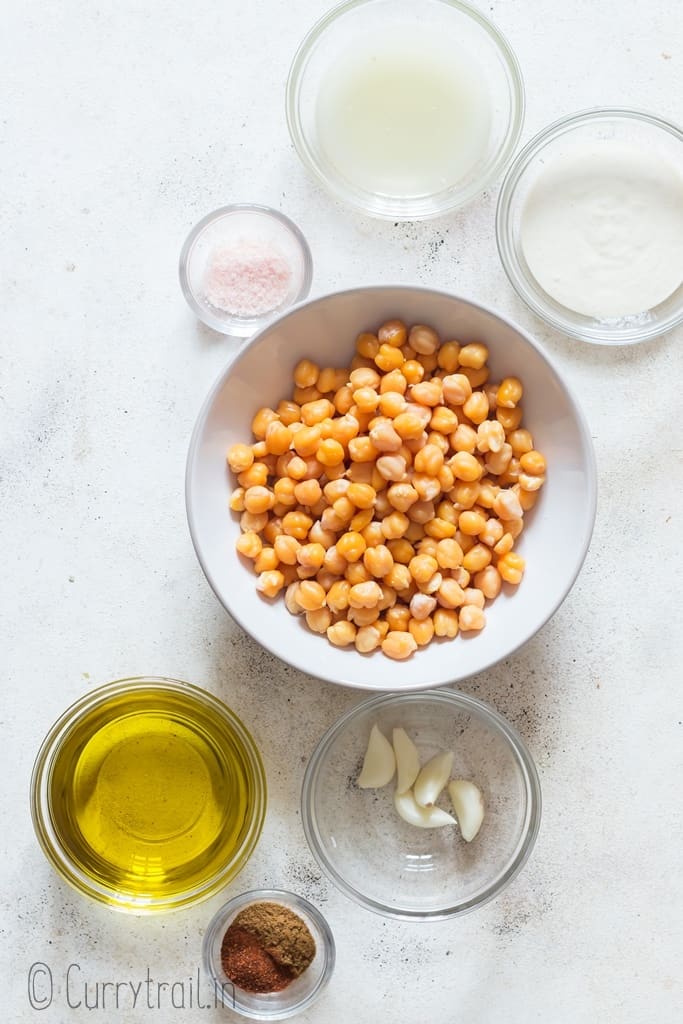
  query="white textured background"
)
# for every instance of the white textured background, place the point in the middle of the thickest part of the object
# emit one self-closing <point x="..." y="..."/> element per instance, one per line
<point x="122" y="124"/>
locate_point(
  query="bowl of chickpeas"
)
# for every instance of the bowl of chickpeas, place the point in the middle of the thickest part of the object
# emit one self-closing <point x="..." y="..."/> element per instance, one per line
<point x="391" y="488"/>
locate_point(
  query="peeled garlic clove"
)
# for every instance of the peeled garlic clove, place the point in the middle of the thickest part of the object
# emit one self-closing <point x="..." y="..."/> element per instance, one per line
<point x="468" y="804"/>
<point x="432" y="778"/>
<point x="422" y="817"/>
<point x="379" y="763"/>
<point x="407" y="760"/>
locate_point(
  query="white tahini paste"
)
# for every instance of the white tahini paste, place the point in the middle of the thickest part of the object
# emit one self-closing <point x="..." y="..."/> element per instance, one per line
<point x="602" y="229"/>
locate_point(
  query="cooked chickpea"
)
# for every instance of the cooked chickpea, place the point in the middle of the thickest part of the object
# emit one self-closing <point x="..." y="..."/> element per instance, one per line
<point x="306" y="441"/>
<point x="471" y="618"/>
<point x="253" y="521"/>
<point x="488" y="581"/>
<point x="421" y="606"/>
<point x="510" y="419"/>
<point x="391" y="403"/>
<point x="266" y="560"/>
<point x="398" y="577"/>
<point x="296" y="524"/>
<point x="389" y="358"/>
<point x="360" y="520"/>
<point x="450" y="594"/>
<point x="456" y="389"/>
<point x="378" y="560"/>
<point x="311" y="556"/>
<point x="447" y="356"/>
<point x="473" y="356"/>
<point x="270" y="583"/>
<point x="305" y="373"/>
<point x="393" y="332"/>
<point x="240" y="457"/>
<point x="423" y="340"/>
<point x="237" y="500"/>
<point x="532" y="463"/>
<point x="476" y="408"/>
<point x="445" y="623"/>
<point x="422" y="567"/>
<point x="466" y="467"/>
<point x="490" y="436"/>
<point x="361" y="449"/>
<point x="509" y="393"/>
<point x="365" y="595"/>
<point x="506" y="506"/>
<point x="385" y="438"/>
<point x="351" y="546"/>
<point x="249" y="544"/>
<point x="255" y="476"/>
<point x="497" y="462"/>
<point x="319" y="620"/>
<point x="260" y="422"/>
<point x="258" y="499"/>
<point x="471" y="523"/>
<point x="342" y="633"/>
<point x="399" y="644"/>
<point x="286" y="548"/>
<point x="368" y="638"/>
<point x="511" y="567"/>
<point x="330" y="452"/>
<point x="394" y="525"/>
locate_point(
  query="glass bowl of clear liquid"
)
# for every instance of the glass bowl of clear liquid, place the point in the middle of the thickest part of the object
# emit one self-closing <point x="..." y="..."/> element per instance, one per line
<point x="405" y="109"/>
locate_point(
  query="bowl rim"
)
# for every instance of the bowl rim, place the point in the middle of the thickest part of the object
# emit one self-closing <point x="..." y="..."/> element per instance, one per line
<point x="301" y="906"/>
<point x="506" y="253"/>
<point x="290" y="657"/>
<point x="59" y="857"/>
<point x="337" y="190"/>
<point x="461" y="701"/>
<point x="234" y="325"/>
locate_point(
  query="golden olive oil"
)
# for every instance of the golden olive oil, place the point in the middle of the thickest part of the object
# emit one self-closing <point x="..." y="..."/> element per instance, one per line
<point x="151" y="794"/>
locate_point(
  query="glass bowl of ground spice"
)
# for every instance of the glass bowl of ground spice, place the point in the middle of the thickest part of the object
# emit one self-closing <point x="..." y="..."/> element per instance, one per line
<point x="243" y="264"/>
<point x="269" y="953"/>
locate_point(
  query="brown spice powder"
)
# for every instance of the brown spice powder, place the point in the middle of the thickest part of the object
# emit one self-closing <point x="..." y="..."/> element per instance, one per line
<point x="281" y="932"/>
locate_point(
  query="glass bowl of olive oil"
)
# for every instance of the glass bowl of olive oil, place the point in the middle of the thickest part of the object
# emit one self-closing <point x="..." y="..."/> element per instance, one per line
<point x="148" y="794"/>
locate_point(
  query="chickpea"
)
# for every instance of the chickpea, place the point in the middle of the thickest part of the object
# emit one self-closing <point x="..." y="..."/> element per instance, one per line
<point x="270" y="583"/>
<point x="385" y="438"/>
<point x="439" y="529"/>
<point x="351" y="546"/>
<point x="361" y="449"/>
<point x="368" y="638"/>
<point x="476" y="408"/>
<point x="306" y="441"/>
<point x="427" y="393"/>
<point x="498" y="462"/>
<point x="530" y="484"/>
<point x="255" y="476"/>
<point x="511" y="567"/>
<point x="254" y="522"/>
<point x="342" y="633"/>
<point x="389" y="358"/>
<point x="471" y="523"/>
<point x="237" y="500"/>
<point x="305" y="373"/>
<point x="249" y="544"/>
<point x="449" y="554"/>
<point x="307" y="492"/>
<point x="343" y="399"/>
<point x="422" y="567"/>
<point x="240" y="457"/>
<point x="372" y="534"/>
<point x="509" y="393"/>
<point x="393" y="332"/>
<point x="532" y="463"/>
<point x="447" y="356"/>
<point x="365" y="595"/>
<point x="422" y="606"/>
<point x="466" y="467"/>
<point x="401" y="550"/>
<point x="297" y="524"/>
<point x="423" y="340"/>
<point x="391" y="403"/>
<point x="330" y="452"/>
<point x="474" y="355"/>
<point x="456" y="389"/>
<point x="471" y="618"/>
<point x="504" y="545"/>
<point x="394" y="525"/>
<point x="398" y="577"/>
<point x="311" y="556"/>
<point x="394" y="381"/>
<point x="489" y="582"/>
<point x="509" y="419"/>
<point x="445" y="623"/>
<point x="399" y="644"/>
<point x="506" y="506"/>
<point x="378" y="560"/>
<point x="360" y="520"/>
<point x="258" y="499"/>
<point x="450" y="594"/>
<point x="319" y="620"/>
<point x="286" y="548"/>
<point x="492" y="532"/>
<point x="490" y="436"/>
<point x="260" y="422"/>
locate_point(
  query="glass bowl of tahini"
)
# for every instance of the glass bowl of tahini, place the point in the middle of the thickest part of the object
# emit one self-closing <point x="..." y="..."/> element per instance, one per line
<point x="148" y="794"/>
<point x="405" y="109"/>
<point x="590" y="225"/>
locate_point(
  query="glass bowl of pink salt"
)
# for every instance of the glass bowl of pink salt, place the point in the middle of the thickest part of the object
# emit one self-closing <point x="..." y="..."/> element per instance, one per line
<point x="243" y="264"/>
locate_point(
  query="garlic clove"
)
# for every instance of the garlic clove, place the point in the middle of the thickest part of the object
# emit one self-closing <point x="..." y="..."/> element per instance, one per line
<point x="432" y="778"/>
<point x="421" y="817"/>
<point x="407" y="760"/>
<point x="468" y="804"/>
<point x="379" y="763"/>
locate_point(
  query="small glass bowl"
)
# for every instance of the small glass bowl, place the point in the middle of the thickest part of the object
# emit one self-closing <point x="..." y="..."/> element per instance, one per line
<point x="394" y="868"/>
<point x="302" y="992"/>
<point x="231" y="225"/>
<point x="646" y="131"/>
<point x="339" y="29"/>
<point x="210" y="729"/>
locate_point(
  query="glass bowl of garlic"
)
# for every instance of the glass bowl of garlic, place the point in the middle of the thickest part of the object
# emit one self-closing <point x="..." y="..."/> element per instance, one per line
<point x="421" y="806"/>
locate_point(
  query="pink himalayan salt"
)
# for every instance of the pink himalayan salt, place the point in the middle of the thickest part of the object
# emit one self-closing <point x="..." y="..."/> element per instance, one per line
<point x="247" y="278"/>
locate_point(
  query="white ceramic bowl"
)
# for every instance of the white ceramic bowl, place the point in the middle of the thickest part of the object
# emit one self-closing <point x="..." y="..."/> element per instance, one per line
<point x="554" y="542"/>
